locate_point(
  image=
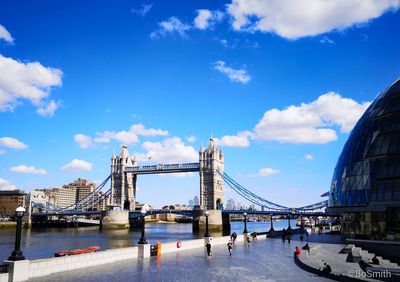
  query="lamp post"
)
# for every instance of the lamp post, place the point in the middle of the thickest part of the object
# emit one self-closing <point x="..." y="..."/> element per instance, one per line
<point x="17" y="253"/>
<point x="245" y="223"/>
<point x="272" y="223"/>
<point x="207" y="234"/>
<point x="142" y="238"/>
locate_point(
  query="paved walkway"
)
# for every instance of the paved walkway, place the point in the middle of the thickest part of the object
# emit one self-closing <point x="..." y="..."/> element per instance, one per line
<point x="264" y="260"/>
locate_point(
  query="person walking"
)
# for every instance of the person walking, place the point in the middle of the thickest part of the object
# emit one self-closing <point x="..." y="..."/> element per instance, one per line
<point x="229" y="247"/>
<point x="289" y="236"/>
<point x="233" y="237"/>
<point x="208" y="247"/>
<point x="248" y="240"/>
<point x="283" y="235"/>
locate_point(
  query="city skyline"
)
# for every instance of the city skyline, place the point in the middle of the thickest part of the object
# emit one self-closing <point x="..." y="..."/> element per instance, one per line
<point x="278" y="91"/>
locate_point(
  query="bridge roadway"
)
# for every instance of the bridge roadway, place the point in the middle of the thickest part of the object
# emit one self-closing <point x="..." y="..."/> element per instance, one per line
<point x="163" y="168"/>
<point x="189" y="213"/>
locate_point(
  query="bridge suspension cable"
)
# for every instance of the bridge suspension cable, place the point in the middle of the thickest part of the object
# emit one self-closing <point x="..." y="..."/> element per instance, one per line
<point x="255" y="199"/>
<point x="91" y="200"/>
<point x="88" y="197"/>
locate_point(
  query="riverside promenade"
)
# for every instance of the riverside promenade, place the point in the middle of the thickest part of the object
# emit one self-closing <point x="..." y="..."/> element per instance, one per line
<point x="263" y="260"/>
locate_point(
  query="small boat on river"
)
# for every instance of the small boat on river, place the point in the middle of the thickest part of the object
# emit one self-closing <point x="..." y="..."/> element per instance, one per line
<point x="77" y="251"/>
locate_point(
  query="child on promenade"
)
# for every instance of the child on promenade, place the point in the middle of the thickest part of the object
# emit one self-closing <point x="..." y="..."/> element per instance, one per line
<point x="208" y="247"/>
<point x="229" y="247"/>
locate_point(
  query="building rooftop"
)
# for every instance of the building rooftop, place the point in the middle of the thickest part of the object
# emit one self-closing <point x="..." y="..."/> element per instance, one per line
<point x="17" y="192"/>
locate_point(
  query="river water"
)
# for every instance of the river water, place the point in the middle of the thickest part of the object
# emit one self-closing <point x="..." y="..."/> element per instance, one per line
<point x="43" y="242"/>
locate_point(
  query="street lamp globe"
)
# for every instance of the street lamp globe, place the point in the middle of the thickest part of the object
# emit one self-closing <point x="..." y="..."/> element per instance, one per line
<point x="245" y="214"/>
<point x="19" y="212"/>
<point x="207" y="213"/>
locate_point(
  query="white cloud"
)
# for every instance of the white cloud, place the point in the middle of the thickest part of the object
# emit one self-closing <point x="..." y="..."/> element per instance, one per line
<point x="170" y="150"/>
<point x="123" y="136"/>
<point x="327" y="40"/>
<point x="30" y="81"/>
<point x="126" y="137"/>
<point x="224" y="42"/>
<point x="239" y="140"/>
<point x="267" y="171"/>
<point x="310" y="123"/>
<point x="206" y="18"/>
<point x="28" y="169"/>
<point x="10" y="142"/>
<point x="191" y="139"/>
<point x="5" y="35"/>
<point x="144" y="10"/>
<point x="77" y="165"/>
<point x="139" y="129"/>
<point x="239" y="75"/>
<point x="48" y="109"/>
<point x="308" y="157"/>
<point x="295" y="19"/>
<point x="2" y="152"/>
<point x="6" y="185"/>
<point x="171" y="26"/>
<point x="84" y="141"/>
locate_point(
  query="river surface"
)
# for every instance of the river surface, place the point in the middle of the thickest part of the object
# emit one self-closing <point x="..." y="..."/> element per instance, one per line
<point x="43" y="242"/>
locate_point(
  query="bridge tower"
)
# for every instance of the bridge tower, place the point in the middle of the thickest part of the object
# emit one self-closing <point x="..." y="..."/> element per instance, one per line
<point x="123" y="185"/>
<point x="211" y="183"/>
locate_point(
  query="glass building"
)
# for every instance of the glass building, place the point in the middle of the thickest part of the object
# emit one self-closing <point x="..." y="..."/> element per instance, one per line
<point x="365" y="187"/>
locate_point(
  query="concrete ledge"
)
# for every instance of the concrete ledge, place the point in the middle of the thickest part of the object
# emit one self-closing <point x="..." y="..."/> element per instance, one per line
<point x="143" y="250"/>
<point x="43" y="267"/>
<point x="3" y="277"/>
<point x="356" y="254"/>
<point x="18" y="270"/>
<point x="348" y="248"/>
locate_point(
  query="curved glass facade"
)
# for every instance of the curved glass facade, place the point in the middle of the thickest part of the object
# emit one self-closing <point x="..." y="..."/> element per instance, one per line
<point x="368" y="170"/>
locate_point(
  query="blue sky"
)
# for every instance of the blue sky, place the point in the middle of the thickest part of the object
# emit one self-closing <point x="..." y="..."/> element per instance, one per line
<point x="279" y="89"/>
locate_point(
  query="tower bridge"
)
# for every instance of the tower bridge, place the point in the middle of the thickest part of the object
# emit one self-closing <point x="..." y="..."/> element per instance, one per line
<point x="124" y="173"/>
<point x="121" y="196"/>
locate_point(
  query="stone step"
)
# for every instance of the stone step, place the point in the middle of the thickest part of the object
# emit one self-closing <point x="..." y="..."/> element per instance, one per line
<point x="366" y="256"/>
<point x="348" y="248"/>
<point x="356" y="254"/>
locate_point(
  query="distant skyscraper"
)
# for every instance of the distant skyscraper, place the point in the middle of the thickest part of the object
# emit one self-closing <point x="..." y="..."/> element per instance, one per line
<point x="252" y="207"/>
<point x="196" y="201"/>
<point x="230" y="204"/>
<point x="191" y="203"/>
